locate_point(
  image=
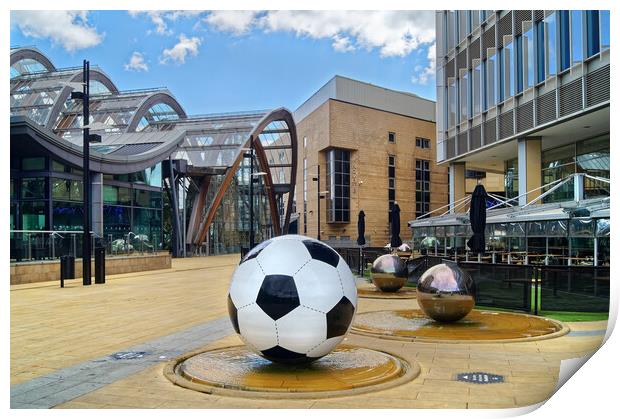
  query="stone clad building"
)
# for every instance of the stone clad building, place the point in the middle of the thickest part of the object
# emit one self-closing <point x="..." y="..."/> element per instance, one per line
<point x="374" y="146"/>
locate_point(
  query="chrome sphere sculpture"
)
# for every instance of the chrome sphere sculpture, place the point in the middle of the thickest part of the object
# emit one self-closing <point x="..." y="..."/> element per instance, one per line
<point x="446" y="293"/>
<point x="404" y="248"/>
<point x="388" y="273"/>
<point x="292" y="299"/>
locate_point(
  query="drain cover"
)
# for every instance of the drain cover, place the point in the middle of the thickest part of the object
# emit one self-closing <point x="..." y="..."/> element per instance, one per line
<point x="128" y="355"/>
<point x="480" y="378"/>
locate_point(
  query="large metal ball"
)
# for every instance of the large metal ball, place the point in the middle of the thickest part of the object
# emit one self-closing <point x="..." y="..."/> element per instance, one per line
<point x="446" y="293"/>
<point x="388" y="273"/>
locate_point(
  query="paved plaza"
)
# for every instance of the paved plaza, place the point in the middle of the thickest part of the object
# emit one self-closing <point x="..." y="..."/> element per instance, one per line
<point x="106" y="346"/>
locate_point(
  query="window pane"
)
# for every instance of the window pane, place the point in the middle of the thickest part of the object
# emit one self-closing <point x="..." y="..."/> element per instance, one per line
<point x="550" y="44"/>
<point x="464" y="87"/>
<point x="33" y="163"/>
<point x="124" y="196"/>
<point x="508" y="71"/>
<point x="528" y="58"/>
<point x="67" y="216"/>
<point x="604" y="29"/>
<point x="518" y="53"/>
<point x="452" y="103"/>
<point x="540" y="51"/>
<point x="33" y="187"/>
<point x="116" y="220"/>
<point x="476" y="89"/>
<point x="490" y="80"/>
<point x="33" y="215"/>
<point x="593" y="32"/>
<point x="110" y="194"/>
<point x="577" y="35"/>
<point x="564" y="41"/>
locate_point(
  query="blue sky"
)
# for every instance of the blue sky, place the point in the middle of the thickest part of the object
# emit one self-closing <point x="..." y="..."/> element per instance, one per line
<point x="232" y="61"/>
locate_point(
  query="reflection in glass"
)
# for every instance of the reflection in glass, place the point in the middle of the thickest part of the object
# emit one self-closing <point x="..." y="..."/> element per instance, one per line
<point x="550" y="44"/>
<point x="576" y="35"/>
<point x="490" y="74"/>
<point x="33" y="214"/>
<point x="528" y="58"/>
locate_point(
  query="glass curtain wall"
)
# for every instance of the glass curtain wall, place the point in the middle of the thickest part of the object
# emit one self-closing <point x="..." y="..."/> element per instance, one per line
<point x="230" y="228"/>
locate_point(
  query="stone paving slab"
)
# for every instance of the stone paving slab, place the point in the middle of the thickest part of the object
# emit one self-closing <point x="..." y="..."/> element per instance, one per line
<point x="69" y="383"/>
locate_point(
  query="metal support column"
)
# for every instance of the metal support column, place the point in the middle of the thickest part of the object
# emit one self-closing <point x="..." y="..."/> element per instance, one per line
<point x="251" y="192"/>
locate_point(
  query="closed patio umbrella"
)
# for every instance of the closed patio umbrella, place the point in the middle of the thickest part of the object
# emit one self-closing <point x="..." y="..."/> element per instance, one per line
<point x="478" y="219"/>
<point x="395" y="240"/>
<point x="361" y="228"/>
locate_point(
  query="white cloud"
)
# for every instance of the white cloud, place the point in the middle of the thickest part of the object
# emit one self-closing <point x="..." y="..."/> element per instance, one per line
<point x="342" y="44"/>
<point x="236" y="21"/>
<point x="394" y="33"/>
<point x="423" y="74"/>
<point x="178" y="52"/>
<point x="136" y="63"/>
<point x="69" y="29"/>
<point x="161" y="18"/>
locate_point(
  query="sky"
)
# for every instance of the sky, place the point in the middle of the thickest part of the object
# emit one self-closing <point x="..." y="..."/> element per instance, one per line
<point x="228" y="61"/>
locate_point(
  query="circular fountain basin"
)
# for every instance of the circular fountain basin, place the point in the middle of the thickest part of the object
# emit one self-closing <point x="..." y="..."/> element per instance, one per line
<point x="477" y="327"/>
<point x="237" y="371"/>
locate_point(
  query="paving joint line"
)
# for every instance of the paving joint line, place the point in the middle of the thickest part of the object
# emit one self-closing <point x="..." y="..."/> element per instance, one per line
<point x="77" y="380"/>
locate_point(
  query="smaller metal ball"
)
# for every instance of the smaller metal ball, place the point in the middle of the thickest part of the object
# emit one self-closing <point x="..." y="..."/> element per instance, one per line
<point x="388" y="273"/>
<point x="446" y="293"/>
<point x="404" y="248"/>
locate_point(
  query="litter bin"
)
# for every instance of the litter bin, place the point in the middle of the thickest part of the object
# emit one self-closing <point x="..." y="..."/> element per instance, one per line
<point x="99" y="265"/>
<point x="67" y="268"/>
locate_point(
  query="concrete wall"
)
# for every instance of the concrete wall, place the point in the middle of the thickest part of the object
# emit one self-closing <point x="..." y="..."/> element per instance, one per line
<point x="41" y="271"/>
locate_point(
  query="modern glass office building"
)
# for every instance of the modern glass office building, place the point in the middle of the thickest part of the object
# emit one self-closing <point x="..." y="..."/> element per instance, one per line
<point x="161" y="179"/>
<point x="512" y="81"/>
<point x="526" y="92"/>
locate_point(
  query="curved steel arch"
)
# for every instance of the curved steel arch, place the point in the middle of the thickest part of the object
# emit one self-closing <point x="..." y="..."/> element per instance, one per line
<point x="151" y="100"/>
<point x="95" y="74"/>
<point x="34" y="54"/>
<point x="280" y="114"/>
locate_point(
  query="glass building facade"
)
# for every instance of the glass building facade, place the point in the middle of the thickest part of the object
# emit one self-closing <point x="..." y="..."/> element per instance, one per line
<point x="506" y="75"/>
<point x="160" y="179"/>
<point x="542" y="80"/>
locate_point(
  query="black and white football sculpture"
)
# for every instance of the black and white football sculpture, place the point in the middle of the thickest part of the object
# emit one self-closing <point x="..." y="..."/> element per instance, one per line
<point x="292" y="299"/>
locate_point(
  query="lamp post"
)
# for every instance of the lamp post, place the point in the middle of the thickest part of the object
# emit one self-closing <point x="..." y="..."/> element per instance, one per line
<point x="84" y="96"/>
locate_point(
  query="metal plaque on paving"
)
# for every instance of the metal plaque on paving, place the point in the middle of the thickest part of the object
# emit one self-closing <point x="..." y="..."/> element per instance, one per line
<point x="128" y="355"/>
<point x="480" y="378"/>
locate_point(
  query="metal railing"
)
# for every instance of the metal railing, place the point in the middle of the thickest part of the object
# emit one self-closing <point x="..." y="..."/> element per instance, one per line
<point x="34" y="245"/>
<point x="527" y="288"/>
